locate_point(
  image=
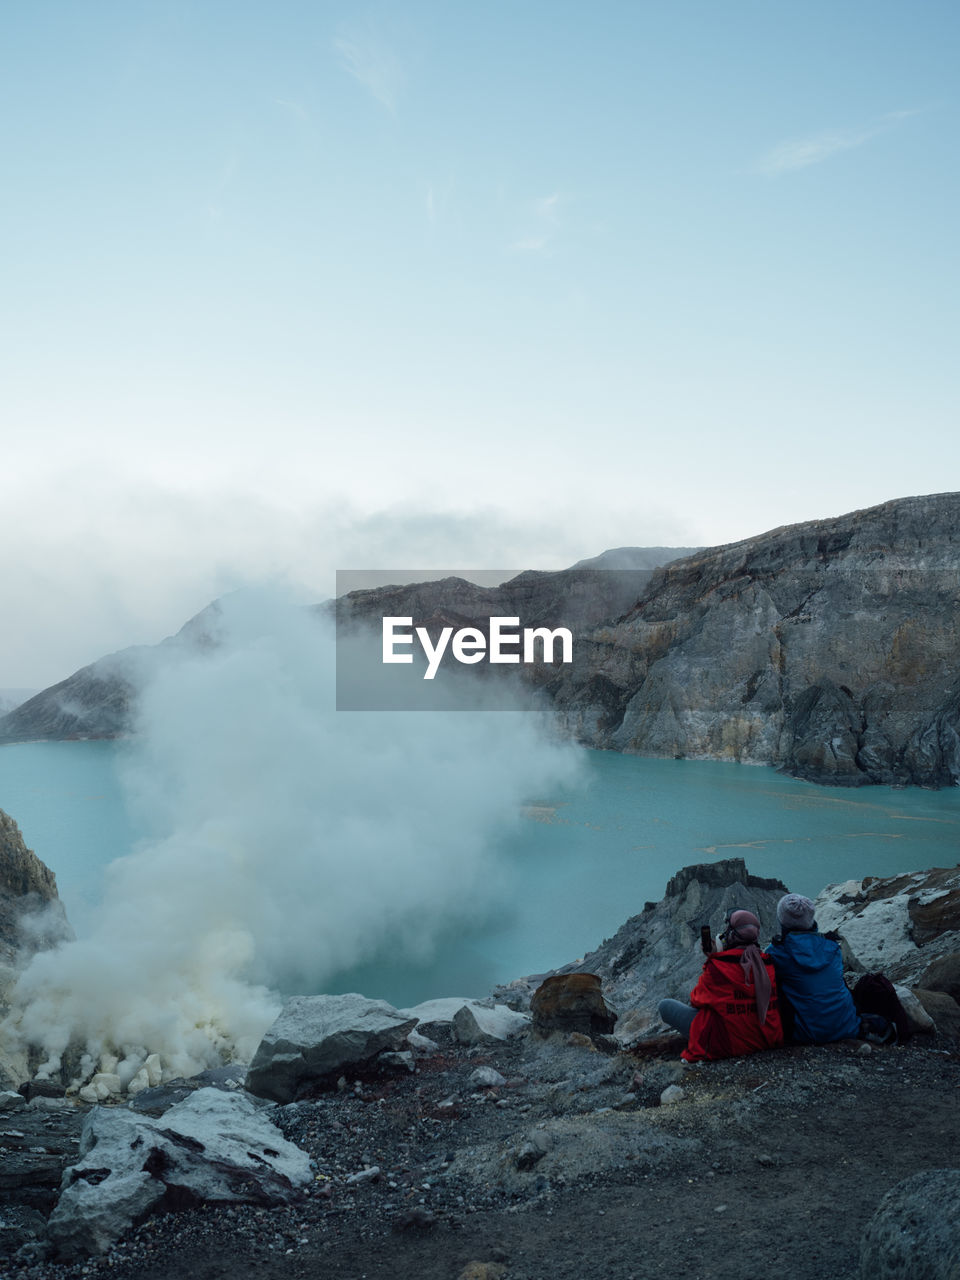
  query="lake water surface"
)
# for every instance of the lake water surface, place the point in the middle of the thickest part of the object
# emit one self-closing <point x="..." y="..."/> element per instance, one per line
<point x="582" y="861"/>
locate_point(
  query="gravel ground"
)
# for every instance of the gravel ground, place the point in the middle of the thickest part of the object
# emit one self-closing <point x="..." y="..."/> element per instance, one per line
<point x="571" y="1168"/>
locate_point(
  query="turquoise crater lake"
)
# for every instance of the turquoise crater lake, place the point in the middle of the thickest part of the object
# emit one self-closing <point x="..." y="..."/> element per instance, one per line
<point x="582" y="860"/>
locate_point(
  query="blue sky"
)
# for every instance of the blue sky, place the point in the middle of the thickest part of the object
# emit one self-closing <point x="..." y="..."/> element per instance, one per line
<point x="313" y="285"/>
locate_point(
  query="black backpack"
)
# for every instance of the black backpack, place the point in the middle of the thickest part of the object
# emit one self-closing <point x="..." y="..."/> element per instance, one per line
<point x="882" y="1016"/>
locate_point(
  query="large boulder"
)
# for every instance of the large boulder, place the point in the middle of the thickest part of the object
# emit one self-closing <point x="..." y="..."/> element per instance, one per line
<point x="92" y="1216"/>
<point x="943" y="975"/>
<point x="315" y="1037"/>
<point x="902" y="924"/>
<point x="475" y="1024"/>
<point x="467" y="1021"/>
<point x="572" y="1002"/>
<point x="944" y="1011"/>
<point x="915" y="1232"/>
<point x="215" y="1147"/>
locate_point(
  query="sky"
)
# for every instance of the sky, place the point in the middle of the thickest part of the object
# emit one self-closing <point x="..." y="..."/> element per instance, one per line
<point x="303" y="286"/>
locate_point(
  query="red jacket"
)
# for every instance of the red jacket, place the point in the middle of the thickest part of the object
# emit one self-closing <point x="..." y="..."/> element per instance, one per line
<point x="726" y="1024"/>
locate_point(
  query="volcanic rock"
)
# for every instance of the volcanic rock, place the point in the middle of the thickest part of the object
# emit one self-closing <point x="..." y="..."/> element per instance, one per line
<point x="943" y="975"/>
<point x="315" y="1037"/>
<point x="572" y="1002"/>
<point x="32" y="1089"/>
<point x="213" y="1147"/>
<point x="475" y="1024"/>
<point x="897" y="924"/>
<point x="944" y="1011"/>
<point x="464" y="1021"/>
<point x="486" y="1078"/>
<point x="917" y="1016"/>
<point x="915" y="1232"/>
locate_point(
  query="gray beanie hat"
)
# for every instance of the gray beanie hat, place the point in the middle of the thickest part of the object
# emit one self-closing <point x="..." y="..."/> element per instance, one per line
<point x="795" y="912"/>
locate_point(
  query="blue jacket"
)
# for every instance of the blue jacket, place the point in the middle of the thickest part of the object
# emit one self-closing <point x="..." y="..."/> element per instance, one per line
<point x="810" y="977"/>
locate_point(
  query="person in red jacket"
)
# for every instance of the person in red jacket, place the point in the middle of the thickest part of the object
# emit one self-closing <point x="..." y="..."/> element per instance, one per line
<point x="733" y="1008"/>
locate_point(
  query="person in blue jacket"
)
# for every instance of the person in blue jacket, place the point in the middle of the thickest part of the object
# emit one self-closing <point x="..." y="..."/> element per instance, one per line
<point x="810" y="976"/>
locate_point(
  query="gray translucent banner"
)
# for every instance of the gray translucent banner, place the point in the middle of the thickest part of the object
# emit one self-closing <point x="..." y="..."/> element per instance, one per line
<point x="426" y="640"/>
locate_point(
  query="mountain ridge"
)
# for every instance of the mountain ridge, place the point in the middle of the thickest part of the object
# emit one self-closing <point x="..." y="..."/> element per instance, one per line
<point x="828" y="648"/>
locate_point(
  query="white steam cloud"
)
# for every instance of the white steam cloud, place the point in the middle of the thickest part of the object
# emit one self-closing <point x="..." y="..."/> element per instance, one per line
<point x="289" y="842"/>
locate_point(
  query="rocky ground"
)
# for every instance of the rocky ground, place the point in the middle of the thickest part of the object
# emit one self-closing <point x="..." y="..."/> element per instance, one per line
<point x="571" y="1167"/>
<point x="526" y="1158"/>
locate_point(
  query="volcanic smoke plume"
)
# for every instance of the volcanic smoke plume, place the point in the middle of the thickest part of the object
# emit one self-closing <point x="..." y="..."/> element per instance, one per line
<point x="289" y="842"/>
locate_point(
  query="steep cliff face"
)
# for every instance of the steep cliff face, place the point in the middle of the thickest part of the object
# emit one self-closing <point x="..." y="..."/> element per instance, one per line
<point x="831" y="649"/>
<point x="31" y="919"/>
<point x="28" y="889"/>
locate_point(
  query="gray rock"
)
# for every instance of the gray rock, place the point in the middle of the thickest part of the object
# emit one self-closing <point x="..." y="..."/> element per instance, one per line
<point x="38" y="1146"/>
<point x="915" y="1232"/>
<point x="154" y="1102"/>
<point x="10" y="1101"/>
<point x="213" y="1147"/>
<point x="473" y="1024"/>
<point x="486" y="1078"/>
<point x="402" y="1061"/>
<point x="228" y="1077"/>
<point x="672" y="1093"/>
<point x="943" y="975"/>
<point x="317" y="1036"/>
<point x="824" y="726"/>
<point x="33" y="1089"/>
<point x="944" y="1011"/>
<point x="421" y="1043"/>
<point x="917" y="1016"/>
<point x="532" y="1150"/>
<point x="90" y="1217"/>
<point x="42" y="1103"/>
